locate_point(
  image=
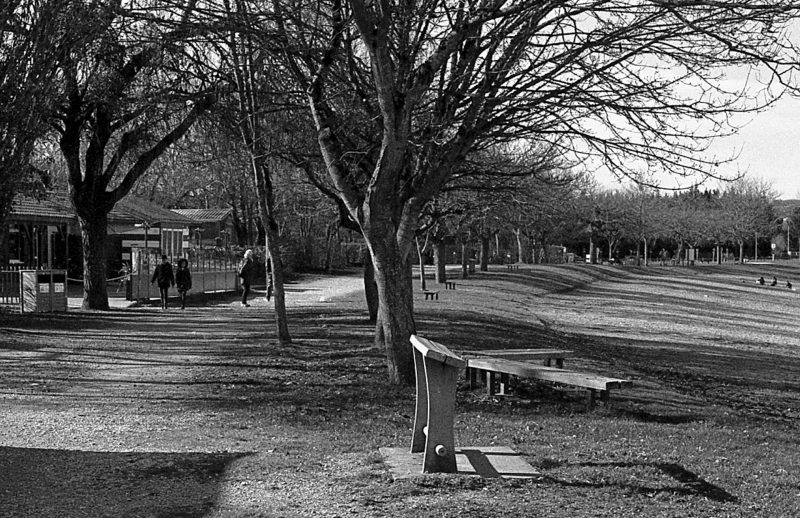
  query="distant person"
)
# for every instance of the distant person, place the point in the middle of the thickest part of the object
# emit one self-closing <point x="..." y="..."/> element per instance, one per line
<point x="183" y="280"/>
<point x="760" y="281"/>
<point x="124" y="277"/>
<point x="789" y="284"/>
<point x="246" y="272"/>
<point x="164" y="277"/>
<point x="774" y="281"/>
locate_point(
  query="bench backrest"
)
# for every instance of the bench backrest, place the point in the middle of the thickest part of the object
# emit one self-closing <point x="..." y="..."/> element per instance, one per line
<point x="437" y="352"/>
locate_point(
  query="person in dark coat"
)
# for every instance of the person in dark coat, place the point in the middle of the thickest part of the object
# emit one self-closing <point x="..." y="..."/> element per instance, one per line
<point x="165" y="278"/>
<point x="247" y="269"/>
<point x="183" y="280"/>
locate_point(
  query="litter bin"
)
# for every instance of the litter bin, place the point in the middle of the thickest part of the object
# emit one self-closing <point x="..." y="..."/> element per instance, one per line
<point x="43" y="291"/>
<point x="471" y="265"/>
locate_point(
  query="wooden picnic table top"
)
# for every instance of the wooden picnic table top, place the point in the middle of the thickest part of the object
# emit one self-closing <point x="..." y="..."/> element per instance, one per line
<point x="523" y="354"/>
<point x="527" y="370"/>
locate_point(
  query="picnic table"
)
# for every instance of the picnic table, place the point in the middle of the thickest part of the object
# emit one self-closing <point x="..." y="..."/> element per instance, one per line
<point x="498" y="365"/>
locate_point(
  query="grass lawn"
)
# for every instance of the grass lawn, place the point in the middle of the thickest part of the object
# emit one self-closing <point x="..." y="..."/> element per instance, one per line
<point x="140" y="412"/>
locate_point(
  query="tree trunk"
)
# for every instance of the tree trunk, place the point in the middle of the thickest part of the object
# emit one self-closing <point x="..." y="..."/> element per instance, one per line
<point x="755" y="248"/>
<point x="440" y="252"/>
<point x="591" y="251"/>
<point x="266" y="211"/>
<point x="421" y="266"/>
<point x="370" y="287"/>
<point x="396" y="313"/>
<point x="94" y="235"/>
<point x="497" y="246"/>
<point x="520" y="251"/>
<point x="464" y="260"/>
<point x="484" y="253"/>
<point x="741" y="252"/>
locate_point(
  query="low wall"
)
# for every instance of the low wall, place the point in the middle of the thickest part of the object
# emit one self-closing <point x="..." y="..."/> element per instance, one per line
<point x="202" y="282"/>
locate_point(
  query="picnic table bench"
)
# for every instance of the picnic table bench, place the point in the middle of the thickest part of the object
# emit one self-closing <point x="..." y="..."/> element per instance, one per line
<point x="431" y="295"/>
<point x="517" y="362"/>
<point x="450" y="285"/>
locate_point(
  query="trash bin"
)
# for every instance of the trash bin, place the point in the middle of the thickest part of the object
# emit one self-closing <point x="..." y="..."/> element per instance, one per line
<point x="471" y="265"/>
<point x="43" y="291"/>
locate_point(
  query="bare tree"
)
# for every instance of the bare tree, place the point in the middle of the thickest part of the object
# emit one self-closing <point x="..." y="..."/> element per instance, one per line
<point x="747" y="207"/>
<point x="127" y="94"/>
<point x="601" y="80"/>
<point x="27" y="68"/>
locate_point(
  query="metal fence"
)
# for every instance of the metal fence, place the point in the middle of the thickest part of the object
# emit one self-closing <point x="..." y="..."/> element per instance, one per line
<point x="9" y="286"/>
<point x="213" y="270"/>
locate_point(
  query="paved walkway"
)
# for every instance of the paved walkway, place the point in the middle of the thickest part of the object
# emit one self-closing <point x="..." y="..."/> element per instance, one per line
<point x="309" y="290"/>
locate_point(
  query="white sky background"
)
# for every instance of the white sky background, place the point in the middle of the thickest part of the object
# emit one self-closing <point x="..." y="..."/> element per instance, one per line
<point x="766" y="147"/>
<point x="769" y="147"/>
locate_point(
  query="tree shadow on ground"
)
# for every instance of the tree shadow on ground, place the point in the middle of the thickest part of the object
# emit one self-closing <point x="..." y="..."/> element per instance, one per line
<point x="690" y="483"/>
<point x="43" y="483"/>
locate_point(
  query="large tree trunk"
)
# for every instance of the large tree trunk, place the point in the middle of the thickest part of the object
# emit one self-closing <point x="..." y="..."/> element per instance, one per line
<point x="396" y="311"/>
<point x="520" y="250"/>
<point x="94" y="235"/>
<point x="440" y="252"/>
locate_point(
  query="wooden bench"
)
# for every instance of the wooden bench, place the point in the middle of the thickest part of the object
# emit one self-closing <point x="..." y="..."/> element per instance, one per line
<point x="449" y="285"/>
<point x="431" y="295"/>
<point x="594" y="383"/>
<point x="437" y="370"/>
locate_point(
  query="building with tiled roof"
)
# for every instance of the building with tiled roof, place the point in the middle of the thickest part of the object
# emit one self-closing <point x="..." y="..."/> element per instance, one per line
<point x="44" y="232"/>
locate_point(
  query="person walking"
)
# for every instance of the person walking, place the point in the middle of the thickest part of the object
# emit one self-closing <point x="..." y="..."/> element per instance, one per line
<point x="165" y="278"/>
<point x="183" y="280"/>
<point x="246" y="271"/>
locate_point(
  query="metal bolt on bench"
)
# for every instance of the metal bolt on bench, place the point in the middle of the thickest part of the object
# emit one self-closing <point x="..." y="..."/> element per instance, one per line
<point x="437" y="370"/>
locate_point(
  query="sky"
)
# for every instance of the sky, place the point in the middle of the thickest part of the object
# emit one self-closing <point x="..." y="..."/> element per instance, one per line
<point x="769" y="147"/>
<point x="766" y="147"/>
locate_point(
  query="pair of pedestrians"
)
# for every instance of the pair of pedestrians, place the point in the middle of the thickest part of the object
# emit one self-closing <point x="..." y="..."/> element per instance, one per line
<point x="165" y="277"/>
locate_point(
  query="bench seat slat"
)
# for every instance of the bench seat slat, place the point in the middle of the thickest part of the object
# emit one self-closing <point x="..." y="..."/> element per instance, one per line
<point x="524" y="354"/>
<point x="527" y="370"/>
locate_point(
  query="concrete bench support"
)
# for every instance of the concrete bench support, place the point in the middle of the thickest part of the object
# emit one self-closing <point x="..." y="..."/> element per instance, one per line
<point x="437" y="370"/>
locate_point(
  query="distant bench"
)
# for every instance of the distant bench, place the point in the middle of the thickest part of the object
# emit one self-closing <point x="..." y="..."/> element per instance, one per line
<point x="431" y="295"/>
<point x="517" y="362"/>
